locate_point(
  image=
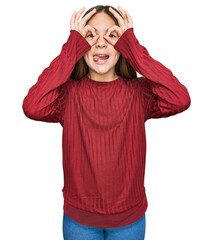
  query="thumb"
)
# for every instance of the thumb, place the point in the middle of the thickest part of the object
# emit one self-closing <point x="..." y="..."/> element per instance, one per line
<point x="95" y="39"/>
<point x="109" y="40"/>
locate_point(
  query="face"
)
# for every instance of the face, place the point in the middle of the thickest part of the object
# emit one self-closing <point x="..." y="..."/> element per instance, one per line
<point x="101" y="22"/>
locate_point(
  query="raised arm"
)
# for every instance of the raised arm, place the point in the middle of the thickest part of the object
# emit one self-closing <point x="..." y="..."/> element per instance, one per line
<point x="46" y="100"/>
<point x="163" y="94"/>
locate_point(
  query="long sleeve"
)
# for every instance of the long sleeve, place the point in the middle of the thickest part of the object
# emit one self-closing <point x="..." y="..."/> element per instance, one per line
<point x="163" y="94"/>
<point x="46" y="100"/>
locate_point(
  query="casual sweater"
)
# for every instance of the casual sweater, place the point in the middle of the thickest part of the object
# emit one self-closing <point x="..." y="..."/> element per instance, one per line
<point x="103" y="139"/>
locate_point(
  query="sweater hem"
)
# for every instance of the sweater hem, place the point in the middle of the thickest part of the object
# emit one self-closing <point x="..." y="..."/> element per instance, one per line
<point x="106" y="220"/>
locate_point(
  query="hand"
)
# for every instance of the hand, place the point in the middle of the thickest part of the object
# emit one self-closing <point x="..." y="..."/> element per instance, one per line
<point x="81" y="28"/>
<point x="124" y="24"/>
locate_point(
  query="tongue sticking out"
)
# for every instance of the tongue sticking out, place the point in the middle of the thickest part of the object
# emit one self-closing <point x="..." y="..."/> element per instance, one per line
<point x="97" y="58"/>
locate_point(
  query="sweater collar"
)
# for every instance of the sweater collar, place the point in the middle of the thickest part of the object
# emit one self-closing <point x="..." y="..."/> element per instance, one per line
<point x="90" y="81"/>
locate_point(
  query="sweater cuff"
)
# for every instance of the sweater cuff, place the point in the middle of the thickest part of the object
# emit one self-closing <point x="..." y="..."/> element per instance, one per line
<point x="126" y="41"/>
<point x="77" y="41"/>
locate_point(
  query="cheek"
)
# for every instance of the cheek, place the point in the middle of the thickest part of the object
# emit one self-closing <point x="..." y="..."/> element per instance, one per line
<point x="116" y="56"/>
<point x="116" y="53"/>
<point x="86" y="58"/>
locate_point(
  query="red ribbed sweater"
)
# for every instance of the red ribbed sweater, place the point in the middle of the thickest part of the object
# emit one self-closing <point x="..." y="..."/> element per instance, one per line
<point x="104" y="141"/>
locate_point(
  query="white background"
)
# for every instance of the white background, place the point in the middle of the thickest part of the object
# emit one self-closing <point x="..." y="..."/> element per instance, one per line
<point x="179" y="148"/>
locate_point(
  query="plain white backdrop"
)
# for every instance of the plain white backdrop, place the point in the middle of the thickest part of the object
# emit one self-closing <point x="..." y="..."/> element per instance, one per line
<point x="179" y="159"/>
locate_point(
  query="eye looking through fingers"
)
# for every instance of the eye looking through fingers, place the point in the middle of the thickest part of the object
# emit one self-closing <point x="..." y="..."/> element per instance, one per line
<point x="110" y="35"/>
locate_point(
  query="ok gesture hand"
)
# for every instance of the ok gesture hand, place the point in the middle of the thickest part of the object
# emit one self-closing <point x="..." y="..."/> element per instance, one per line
<point x="80" y="26"/>
<point x="124" y="24"/>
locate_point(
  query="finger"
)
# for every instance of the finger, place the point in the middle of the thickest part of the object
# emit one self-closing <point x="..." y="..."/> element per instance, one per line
<point x="122" y="11"/>
<point x="95" y="39"/>
<point x="116" y="29"/>
<point x="110" y="40"/>
<point x="87" y="17"/>
<point x="91" y="29"/>
<point x="72" y="19"/>
<point x="129" y="18"/>
<point x="79" y="13"/>
<point x="117" y="16"/>
<point x="124" y="15"/>
<point x="126" y="18"/>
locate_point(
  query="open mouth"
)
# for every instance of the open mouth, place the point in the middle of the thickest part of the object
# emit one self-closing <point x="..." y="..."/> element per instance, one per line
<point x="100" y="59"/>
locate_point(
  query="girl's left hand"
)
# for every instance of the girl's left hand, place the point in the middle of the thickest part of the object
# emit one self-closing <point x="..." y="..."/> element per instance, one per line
<point x="124" y="24"/>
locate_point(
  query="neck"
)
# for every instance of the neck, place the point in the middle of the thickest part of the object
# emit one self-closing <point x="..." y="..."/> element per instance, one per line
<point x="108" y="77"/>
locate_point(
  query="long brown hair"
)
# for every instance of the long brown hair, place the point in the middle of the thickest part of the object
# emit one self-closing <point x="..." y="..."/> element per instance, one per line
<point x="122" y="67"/>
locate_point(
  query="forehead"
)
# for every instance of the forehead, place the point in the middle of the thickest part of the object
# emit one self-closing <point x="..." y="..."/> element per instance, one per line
<point x="101" y="22"/>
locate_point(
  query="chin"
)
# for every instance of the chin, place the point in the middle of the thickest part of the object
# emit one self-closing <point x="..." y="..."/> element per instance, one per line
<point x="101" y="71"/>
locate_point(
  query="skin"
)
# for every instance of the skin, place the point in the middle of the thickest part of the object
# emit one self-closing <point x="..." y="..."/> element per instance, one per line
<point x="101" y="40"/>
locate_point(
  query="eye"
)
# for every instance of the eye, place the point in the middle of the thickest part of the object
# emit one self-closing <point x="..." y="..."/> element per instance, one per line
<point x="113" y="35"/>
<point x="89" y="35"/>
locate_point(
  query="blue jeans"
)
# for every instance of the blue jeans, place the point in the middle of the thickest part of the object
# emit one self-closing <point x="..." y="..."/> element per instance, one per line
<point x="73" y="230"/>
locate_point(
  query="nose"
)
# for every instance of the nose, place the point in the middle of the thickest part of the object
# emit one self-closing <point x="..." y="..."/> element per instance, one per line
<point x="101" y="41"/>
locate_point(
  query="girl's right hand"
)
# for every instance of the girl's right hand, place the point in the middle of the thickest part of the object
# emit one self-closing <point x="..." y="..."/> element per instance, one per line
<point x="80" y="26"/>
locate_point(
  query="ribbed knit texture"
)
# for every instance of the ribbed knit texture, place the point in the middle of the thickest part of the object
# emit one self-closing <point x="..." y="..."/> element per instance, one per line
<point x="104" y="141"/>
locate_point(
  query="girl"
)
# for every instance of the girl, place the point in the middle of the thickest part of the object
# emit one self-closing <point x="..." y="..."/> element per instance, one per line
<point x="93" y="91"/>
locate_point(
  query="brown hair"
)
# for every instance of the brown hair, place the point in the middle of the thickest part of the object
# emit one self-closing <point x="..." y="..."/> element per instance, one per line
<point x="122" y="67"/>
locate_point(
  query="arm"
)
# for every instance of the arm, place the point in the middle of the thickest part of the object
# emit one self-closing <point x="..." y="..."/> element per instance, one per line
<point x="163" y="94"/>
<point x="46" y="99"/>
